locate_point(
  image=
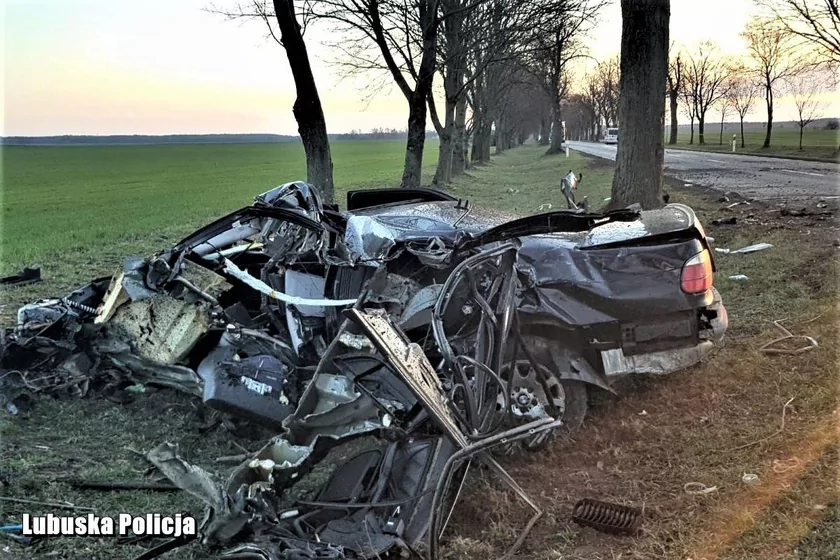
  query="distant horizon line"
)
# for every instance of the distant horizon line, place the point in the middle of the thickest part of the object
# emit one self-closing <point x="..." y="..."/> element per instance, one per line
<point x="383" y="131"/>
<point x="166" y="134"/>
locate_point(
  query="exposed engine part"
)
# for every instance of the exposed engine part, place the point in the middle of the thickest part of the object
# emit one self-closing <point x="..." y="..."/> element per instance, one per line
<point x="79" y="306"/>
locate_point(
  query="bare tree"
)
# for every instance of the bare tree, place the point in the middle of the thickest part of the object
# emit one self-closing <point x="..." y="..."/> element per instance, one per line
<point x="769" y="46"/>
<point x="606" y="79"/>
<point x="805" y="87"/>
<point x="579" y="115"/>
<point x="519" y="113"/>
<point x="559" y="27"/>
<point x="689" y="95"/>
<point x="675" y="86"/>
<point x="592" y="93"/>
<point x="476" y="37"/>
<point x="724" y="105"/>
<point x="706" y="74"/>
<point x="742" y="94"/>
<point x="307" y="108"/>
<point x="815" y="21"/>
<point x="404" y="34"/>
<point x="644" y="69"/>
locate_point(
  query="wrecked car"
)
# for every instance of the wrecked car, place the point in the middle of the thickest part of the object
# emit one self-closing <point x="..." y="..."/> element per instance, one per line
<point x="240" y="311"/>
<point x="390" y="345"/>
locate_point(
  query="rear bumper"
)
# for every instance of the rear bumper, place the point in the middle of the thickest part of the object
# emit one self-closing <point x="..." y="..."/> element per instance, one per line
<point x="667" y="361"/>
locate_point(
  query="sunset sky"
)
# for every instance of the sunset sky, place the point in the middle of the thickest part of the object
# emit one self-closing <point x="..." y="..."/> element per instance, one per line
<point x="167" y="66"/>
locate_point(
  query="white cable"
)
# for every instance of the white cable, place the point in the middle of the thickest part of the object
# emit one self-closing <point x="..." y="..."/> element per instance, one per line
<point x="261" y="286"/>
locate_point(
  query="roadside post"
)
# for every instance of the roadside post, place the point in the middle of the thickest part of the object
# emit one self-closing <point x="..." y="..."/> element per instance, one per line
<point x="734" y="137"/>
<point x="567" y="151"/>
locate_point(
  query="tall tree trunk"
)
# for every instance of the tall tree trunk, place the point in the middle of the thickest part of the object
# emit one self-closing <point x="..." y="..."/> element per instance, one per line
<point x="307" y="109"/>
<point x="640" y="156"/>
<point x="415" y="142"/>
<point x="484" y="157"/>
<point x="501" y="135"/>
<point x="545" y="131"/>
<point x="691" y="139"/>
<point x="460" y="139"/>
<point x="417" y="97"/>
<point x="742" y="131"/>
<point x="674" y="126"/>
<point x="452" y="86"/>
<point x="446" y="146"/>
<point x="556" y="131"/>
<point x="721" y="127"/>
<point x="768" y="96"/>
<point x="481" y="137"/>
<point x="701" y="128"/>
<point x="443" y="173"/>
<point x="417" y="101"/>
<point x="801" y="131"/>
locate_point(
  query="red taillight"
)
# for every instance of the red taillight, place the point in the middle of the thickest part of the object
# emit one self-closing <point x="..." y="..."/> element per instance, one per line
<point x="697" y="275"/>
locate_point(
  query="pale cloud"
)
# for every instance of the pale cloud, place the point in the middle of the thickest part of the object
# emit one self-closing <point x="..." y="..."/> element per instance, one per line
<point x="163" y="66"/>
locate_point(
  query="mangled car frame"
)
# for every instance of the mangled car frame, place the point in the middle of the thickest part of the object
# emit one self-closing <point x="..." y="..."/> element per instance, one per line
<point x="412" y="321"/>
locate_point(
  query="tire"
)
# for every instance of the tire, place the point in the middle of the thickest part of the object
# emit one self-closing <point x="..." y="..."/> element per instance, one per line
<point x="577" y="404"/>
<point x="575" y="393"/>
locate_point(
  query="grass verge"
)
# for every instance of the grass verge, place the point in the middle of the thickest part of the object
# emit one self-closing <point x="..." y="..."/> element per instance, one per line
<point x="817" y="145"/>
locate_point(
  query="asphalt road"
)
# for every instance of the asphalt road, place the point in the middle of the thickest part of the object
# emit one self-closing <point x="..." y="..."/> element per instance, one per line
<point x="762" y="178"/>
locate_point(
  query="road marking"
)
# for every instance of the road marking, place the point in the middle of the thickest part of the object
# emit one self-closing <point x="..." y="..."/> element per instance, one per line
<point x="716" y="160"/>
<point x="803" y="172"/>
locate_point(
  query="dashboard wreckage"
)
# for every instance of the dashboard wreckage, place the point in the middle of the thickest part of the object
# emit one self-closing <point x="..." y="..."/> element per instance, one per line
<point x="412" y="328"/>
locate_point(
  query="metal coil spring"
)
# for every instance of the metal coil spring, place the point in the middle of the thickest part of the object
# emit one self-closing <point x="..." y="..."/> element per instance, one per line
<point x="79" y="306"/>
<point x="606" y="516"/>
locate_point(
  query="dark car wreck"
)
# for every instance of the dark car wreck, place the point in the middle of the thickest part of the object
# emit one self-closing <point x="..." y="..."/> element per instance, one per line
<point x="432" y="327"/>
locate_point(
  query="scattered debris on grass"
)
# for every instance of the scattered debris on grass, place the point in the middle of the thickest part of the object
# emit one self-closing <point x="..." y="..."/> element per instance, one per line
<point x="22" y="278"/>
<point x="771" y="347"/>
<point x="748" y="249"/>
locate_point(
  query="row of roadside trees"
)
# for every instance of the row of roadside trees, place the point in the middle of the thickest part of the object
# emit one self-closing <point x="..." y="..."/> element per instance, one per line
<point x="480" y="72"/>
<point x="505" y="70"/>
<point x="792" y="51"/>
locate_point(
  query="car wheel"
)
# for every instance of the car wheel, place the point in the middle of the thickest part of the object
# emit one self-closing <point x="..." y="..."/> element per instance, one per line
<point x="536" y="392"/>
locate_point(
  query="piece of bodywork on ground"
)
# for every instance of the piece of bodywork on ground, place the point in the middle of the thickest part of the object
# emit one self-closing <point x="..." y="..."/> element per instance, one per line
<point x="22" y="278"/>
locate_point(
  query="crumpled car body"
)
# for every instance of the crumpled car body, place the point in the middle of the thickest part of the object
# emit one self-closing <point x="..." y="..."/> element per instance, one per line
<point x="242" y="310"/>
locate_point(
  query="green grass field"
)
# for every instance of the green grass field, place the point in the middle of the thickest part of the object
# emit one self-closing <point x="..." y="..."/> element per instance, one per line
<point x="59" y="202"/>
<point x="79" y="211"/>
<point x="784" y="142"/>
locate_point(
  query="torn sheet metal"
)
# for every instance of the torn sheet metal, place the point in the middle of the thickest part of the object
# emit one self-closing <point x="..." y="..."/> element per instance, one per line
<point x="229" y="517"/>
<point x="369" y="239"/>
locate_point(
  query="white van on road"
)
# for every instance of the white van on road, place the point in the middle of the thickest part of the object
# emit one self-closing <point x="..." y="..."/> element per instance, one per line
<point x="611" y="136"/>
